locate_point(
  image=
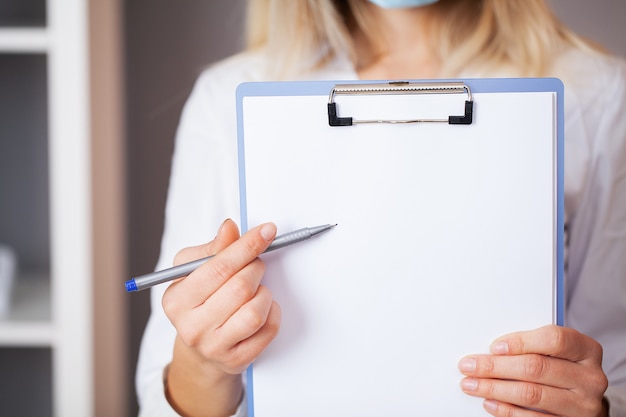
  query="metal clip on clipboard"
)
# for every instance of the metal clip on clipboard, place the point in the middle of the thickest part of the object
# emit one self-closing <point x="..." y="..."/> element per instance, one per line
<point x="400" y="87"/>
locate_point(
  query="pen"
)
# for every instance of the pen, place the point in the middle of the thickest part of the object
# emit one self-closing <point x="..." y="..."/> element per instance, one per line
<point x="148" y="280"/>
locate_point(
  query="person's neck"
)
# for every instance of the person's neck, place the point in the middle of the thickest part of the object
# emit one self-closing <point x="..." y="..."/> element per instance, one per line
<point x="409" y="54"/>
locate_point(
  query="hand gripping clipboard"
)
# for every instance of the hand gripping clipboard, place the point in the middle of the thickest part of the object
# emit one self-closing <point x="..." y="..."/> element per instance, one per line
<point x="448" y="199"/>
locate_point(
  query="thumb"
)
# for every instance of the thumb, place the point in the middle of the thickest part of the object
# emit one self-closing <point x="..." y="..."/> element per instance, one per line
<point x="226" y="234"/>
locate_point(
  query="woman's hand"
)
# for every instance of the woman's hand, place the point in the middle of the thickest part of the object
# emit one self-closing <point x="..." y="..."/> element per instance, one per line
<point x="224" y="319"/>
<point x="554" y="370"/>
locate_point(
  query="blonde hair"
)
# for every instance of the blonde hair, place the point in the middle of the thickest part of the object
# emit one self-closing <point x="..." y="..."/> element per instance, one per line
<point x="521" y="37"/>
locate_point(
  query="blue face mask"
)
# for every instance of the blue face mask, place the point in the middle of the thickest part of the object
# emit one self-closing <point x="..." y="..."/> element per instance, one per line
<point x="398" y="4"/>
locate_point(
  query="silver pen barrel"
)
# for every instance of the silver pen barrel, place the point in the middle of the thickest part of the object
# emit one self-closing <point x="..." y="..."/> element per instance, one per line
<point x="158" y="277"/>
<point x="297" y="236"/>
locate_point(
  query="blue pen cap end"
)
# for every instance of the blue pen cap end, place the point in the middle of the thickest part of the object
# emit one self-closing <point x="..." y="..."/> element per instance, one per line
<point x="131" y="285"/>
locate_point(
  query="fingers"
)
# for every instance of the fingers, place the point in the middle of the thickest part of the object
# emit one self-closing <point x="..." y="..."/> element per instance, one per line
<point x="532" y="368"/>
<point x="513" y="395"/>
<point x="556" y="341"/>
<point x="235" y="256"/>
<point x="553" y="369"/>
<point x="247" y="350"/>
<point x="234" y="293"/>
<point x="242" y="338"/>
<point x="220" y="310"/>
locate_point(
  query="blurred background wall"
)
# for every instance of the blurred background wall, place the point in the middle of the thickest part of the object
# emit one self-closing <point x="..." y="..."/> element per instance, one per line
<point x="167" y="44"/>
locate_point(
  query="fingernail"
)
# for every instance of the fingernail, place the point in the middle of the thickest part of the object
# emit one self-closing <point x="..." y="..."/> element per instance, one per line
<point x="219" y="231"/>
<point x="268" y="231"/>
<point x="469" y="384"/>
<point x="467" y="365"/>
<point x="490" y="405"/>
<point x="500" y="348"/>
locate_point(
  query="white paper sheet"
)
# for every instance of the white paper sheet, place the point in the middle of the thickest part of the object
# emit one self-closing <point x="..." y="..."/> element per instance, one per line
<point x="445" y="240"/>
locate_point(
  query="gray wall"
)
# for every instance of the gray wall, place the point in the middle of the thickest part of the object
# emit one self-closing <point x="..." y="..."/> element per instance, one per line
<point x="598" y="20"/>
<point x="167" y="44"/>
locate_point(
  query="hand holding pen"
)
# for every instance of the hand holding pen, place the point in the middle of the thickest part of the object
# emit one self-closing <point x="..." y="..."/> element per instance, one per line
<point x="224" y="318"/>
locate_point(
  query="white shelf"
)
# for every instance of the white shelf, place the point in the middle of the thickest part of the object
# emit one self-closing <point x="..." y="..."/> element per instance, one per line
<point x="21" y="40"/>
<point x="47" y="73"/>
<point x="28" y="322"/>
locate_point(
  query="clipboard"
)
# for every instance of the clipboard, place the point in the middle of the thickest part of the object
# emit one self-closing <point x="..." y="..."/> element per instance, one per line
<point x="448" y="197"/>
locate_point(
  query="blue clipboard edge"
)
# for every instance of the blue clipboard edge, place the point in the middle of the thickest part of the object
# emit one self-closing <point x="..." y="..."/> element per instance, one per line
<point x="477" y="85"/>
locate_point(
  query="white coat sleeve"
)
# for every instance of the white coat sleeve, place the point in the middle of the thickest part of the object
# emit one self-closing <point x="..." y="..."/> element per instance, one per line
<point x="596" y="281"/>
